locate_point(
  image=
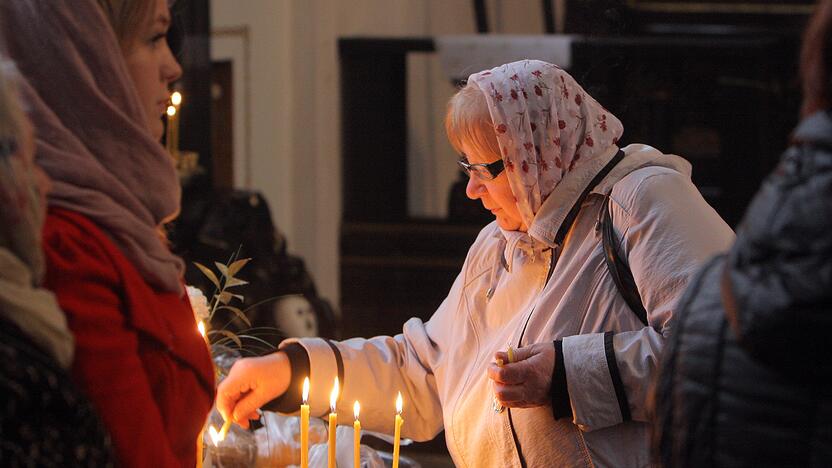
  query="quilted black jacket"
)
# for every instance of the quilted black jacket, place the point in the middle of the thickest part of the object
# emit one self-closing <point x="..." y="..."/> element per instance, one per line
<point x="744" y="378"/>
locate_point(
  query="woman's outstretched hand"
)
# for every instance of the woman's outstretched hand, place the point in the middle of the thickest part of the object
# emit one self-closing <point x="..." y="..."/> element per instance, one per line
<point x="251" y="383"/>
<point x="526" y="382"/>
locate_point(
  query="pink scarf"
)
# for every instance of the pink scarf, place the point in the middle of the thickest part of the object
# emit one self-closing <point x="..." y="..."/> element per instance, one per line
<point x="546" y="125"/>
<point x="92" y="138"/>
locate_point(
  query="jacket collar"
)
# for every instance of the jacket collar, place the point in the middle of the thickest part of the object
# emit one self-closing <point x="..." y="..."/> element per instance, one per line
<point x="817" y="128"/>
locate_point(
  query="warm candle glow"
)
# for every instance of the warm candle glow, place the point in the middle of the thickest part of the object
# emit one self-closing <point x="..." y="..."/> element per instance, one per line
<point x="304" y="426"/>
<point x="356" y="436"/>
<point x="333" y="423"/>
<point x="397" y="430"/>
<point x="333" y="397"/>
<point x="176" y="98"/>
<point x="171" y="111"/>
<point x="215" y="436"/>
<point x="201" y="327"/>
<point x="224" y="430"/>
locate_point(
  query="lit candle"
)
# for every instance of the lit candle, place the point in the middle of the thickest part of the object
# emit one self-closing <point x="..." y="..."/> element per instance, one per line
<point x="215" y="436"/>
<point x="304" y="426"/>
<point x="224" y="430"/>
<point x="333" y="423"/>
<point x="201" y="327"/>
<point x="173" y="124"/>
<point x="398" y="432"/>
<point x="356" y="438"/>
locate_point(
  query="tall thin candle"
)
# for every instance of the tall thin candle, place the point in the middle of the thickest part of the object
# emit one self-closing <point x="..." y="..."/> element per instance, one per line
<point x="304" y="426"/>
<point x="356" y="438"/>
<point x="199" y="448"/>
<point x="173" y="129"/>
<point x="398" y="431"/>
<point x="333" y="424"/>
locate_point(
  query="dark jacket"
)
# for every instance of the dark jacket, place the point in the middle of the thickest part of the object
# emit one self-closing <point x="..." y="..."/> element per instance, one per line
<point x="743" y="378"/>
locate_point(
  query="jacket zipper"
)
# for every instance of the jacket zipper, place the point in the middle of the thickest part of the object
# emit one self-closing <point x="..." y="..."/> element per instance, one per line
<point x="552" y="261"/>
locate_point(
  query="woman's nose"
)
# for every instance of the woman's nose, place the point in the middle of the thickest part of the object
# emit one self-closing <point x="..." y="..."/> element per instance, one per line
<point x="475" y="188"/>
<point x="172" y="70"/>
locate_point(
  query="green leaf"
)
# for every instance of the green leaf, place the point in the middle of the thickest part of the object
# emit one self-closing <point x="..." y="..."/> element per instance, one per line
<point x="230" y="282"/>
<point x="210" y="274"/>
<point x="222" y="268"/>
<point x="231" y="336"/>
<point x="239" y="313"/>
<point x="237" y="266"/>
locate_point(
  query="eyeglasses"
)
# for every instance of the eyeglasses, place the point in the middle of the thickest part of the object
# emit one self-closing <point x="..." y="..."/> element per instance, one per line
<point x="488" y="171"/>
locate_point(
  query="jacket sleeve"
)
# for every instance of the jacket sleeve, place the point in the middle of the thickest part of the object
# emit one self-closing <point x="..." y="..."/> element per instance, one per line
<point x="375" y="369"/>
<point x="107" y="364"/>
<point x="667" y="232"/>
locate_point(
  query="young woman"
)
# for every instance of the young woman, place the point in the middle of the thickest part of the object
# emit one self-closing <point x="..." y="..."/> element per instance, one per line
<point x="96" y="101"/>
<point x="543" y="157"/>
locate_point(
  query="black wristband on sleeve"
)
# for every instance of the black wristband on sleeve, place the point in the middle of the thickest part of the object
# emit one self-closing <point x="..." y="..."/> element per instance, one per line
<point x="561" y="404"/>
<point x="290" y="401"/>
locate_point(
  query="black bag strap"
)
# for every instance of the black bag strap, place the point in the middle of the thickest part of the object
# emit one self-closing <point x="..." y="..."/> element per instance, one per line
<point x="620" y="272"/>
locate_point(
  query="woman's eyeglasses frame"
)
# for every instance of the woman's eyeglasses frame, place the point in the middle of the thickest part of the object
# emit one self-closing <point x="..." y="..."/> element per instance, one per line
<point x="484" y="171"/>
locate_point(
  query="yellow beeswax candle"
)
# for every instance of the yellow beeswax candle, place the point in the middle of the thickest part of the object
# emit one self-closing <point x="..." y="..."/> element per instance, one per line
<point x="333" y="423"/>
<point x="304" y="426"/>
<point x="224" y="430"/>
<point x="398" y="431"/>
<point x="172" y="130"/>
<point x="356" y="438"/>
<point x="199" y="448"/>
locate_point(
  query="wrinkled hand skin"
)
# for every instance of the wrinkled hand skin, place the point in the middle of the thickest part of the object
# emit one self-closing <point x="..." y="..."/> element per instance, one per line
<point x="526" y="382"/>
<point x="251" y="383"/>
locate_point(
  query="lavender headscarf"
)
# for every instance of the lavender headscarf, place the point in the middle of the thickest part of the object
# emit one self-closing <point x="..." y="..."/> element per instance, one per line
<point x="92" y="136"/>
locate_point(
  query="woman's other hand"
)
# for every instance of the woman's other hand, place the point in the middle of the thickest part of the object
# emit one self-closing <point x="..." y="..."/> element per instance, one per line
<point x="526" y="382"/>
<point x="251" y="383"/>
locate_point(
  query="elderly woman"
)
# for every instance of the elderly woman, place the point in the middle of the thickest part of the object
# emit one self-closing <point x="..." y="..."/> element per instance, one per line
<point x="542" y="155"/>
<point x="744" y="379"/>
<point x="96" y="103"/>
<point x="44" y="419"/>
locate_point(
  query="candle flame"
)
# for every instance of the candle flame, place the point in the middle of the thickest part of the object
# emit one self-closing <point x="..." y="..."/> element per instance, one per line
<point x="201" y="327"/>
<point x="399" y="403"/>
<point x="171" y="111"/>
<point x="176" y="98"/>
<point x="356" y="408"/>
<point x="305" y="390"/>
<point x="333" y="397"/>
<point x="215" y="436"/>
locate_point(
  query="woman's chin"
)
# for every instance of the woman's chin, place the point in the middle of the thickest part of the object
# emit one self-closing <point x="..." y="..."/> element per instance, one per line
<point x="508" y="224"/>
<point x="157" y="129"/>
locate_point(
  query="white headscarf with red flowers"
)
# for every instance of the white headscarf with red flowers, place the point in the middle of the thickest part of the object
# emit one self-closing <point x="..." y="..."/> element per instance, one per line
<point x="546" y="125"/>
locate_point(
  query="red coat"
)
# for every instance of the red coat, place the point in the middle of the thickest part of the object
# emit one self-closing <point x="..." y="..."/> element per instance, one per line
<point x="138" y="354"/>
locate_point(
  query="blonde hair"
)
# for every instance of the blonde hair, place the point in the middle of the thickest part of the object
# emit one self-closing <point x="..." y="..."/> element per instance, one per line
<point x="126" y="17"/>
<point x="11" y="115"/>
<point x="468" y="123"/>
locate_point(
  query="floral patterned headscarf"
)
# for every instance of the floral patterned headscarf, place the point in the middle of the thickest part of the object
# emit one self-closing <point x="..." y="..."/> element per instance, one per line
<point x="546" y="125"/>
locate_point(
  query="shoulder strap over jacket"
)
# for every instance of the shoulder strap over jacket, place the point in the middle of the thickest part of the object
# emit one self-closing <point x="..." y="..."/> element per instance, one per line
<point x="619" y="270"/>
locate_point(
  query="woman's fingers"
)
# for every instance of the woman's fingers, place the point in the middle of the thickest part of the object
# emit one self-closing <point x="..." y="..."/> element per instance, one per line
<point x="526" y="382"/>
<point x="511" y="374"/>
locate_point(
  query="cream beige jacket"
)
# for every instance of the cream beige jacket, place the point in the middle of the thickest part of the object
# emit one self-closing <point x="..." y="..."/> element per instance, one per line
<point x="667" y="232"/>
